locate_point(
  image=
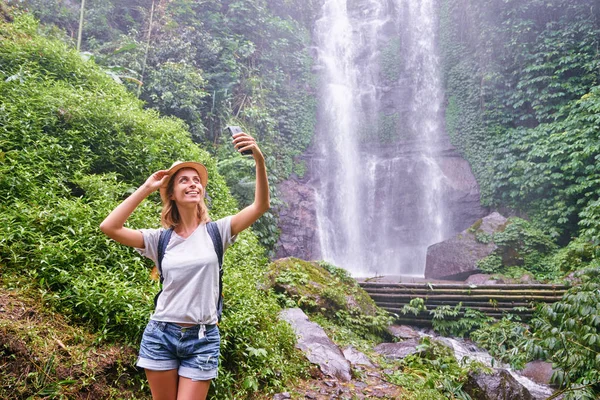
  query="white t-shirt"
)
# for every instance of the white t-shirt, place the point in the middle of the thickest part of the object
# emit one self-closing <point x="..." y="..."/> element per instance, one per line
<point x="190" y="269"/>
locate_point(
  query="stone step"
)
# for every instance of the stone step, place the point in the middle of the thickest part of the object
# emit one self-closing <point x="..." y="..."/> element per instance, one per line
<point x="493" y="300"/>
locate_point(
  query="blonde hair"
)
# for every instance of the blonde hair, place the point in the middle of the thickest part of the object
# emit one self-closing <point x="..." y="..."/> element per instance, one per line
<point x="169" y="216"/>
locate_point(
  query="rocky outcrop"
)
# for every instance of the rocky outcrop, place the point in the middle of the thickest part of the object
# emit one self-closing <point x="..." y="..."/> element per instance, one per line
<point x="456" y="258"/>
<point x="500" y="385"/>
<point x="317" y="347"/>
<point x="398" y="350"/>
<point x="403" y="332"/>
<point x="356" y="357"/>
<point x="316" y="289"/>
<point x="297" y="221"/>
<point x="393" y="223"/>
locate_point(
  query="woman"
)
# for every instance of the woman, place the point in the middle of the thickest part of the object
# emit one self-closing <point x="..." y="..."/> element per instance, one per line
<point x="180" y="345"/>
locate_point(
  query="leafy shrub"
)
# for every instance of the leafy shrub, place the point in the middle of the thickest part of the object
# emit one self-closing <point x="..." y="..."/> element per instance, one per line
<point x="448" y="320"/>
<point x="567" y="333"/>
<point x="415" y="306"/>
<point x="504" y="340"/>
<point x="590" y="221"/>
<point x="490" y="264"/>
<point x="521" y="244"/>
<point x="578" y="254"/>
<point x="432" y="373"/>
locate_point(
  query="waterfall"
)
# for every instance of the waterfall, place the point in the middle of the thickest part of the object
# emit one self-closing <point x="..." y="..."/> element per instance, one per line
<point x="379" y="181"/>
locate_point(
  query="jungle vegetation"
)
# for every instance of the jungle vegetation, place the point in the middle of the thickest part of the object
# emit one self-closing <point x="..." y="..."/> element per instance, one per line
<point x="522" y="84"/>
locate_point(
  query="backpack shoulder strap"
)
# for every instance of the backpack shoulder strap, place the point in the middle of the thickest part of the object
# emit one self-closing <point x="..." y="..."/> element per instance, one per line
<point x="163" y="242"/>
<point x="215" y="236"/>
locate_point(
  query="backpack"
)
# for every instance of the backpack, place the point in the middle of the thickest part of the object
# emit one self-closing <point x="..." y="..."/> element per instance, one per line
<point x="215" y="236"/>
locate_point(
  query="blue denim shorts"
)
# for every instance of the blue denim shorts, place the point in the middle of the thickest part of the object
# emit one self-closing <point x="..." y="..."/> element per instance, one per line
<point x="193" y="351"/>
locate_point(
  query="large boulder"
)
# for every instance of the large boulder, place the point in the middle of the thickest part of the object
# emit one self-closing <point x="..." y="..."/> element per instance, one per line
<point x="317" y="346"/>
<point x="500" y="385"/>
<point x="456" y="258"/>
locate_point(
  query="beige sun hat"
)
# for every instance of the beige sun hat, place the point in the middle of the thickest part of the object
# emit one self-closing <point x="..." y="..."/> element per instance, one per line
<point x="178" y="165"/>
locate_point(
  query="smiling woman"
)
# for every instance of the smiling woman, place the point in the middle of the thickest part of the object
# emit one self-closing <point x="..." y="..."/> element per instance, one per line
<point x="183" y="173"/>
<point x="180" y="346"/>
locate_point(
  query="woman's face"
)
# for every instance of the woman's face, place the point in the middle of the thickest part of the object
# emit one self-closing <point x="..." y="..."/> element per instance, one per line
<point x="187" y="188"/>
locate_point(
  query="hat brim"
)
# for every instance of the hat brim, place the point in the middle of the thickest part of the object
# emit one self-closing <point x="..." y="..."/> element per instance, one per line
<point x="176" y="167"/>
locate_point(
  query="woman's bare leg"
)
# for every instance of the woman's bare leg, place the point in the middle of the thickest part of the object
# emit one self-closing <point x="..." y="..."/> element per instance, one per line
<point x="163" y="384"/>
<point x="192" y="390"/>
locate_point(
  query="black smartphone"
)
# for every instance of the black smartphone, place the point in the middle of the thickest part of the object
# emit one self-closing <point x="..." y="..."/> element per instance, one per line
<point x="236" y="129"/>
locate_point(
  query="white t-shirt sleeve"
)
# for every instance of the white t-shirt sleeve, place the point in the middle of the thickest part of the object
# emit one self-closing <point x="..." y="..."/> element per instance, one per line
<point x="150" y="249"/>
<point x="224" y="225"/>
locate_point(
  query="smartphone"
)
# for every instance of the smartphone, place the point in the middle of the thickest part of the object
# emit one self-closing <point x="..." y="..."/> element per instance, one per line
<point x="236" y="129"/>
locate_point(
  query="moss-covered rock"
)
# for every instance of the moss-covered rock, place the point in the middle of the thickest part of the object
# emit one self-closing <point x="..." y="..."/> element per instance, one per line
<point x="321" y="288"/>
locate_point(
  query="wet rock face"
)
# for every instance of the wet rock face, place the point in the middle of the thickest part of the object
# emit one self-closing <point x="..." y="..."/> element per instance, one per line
<point x="497" y="386"/>
<point x="317" y="347"/>
<point x="297" y="221"/>
<point x="403" y="332"/>
<point x="456" y="258"/>
<point x="398" y="350"/>
<point x="356" y="357"/>
<point x="394" y="213"/>
<point x="538" y="371"/>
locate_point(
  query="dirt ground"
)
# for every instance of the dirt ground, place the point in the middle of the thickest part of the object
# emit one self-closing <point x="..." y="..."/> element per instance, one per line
<point x="367" y="383"/>
<point x="43" y="356"/>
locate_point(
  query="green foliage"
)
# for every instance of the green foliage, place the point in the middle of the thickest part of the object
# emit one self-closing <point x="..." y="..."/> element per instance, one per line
<point x="211" y="63"/>
<point x="553" y="168"/>
<point x="567" y="333"/>
<point x="577" y="255"/>
<point x="73" y="144"/>
<point x="415" y="306"/>
<point x="432" y="373"/>
<point x="178" y="89"/>
<point x="590" y="222"/>
<point x="505" y="340"/>
<point x="490" y="264"/>
<point x="523" y="245"/>
<point x="452" y="321"/>
<point x="521" y="79"/>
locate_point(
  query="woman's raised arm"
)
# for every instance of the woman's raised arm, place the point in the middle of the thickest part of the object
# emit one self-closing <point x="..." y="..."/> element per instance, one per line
<point x="113" y="224"/>
<point x="262" y="202"/>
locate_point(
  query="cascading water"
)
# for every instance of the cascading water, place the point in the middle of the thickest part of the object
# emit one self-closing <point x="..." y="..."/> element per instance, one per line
<point x="379" y="184"/>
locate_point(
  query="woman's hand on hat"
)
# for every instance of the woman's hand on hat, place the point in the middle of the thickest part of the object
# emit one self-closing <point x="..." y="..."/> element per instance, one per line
<point x="157" y="179"/>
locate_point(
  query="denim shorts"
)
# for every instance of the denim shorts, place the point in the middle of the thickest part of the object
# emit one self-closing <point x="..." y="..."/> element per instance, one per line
<point x="167" y="346"/>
